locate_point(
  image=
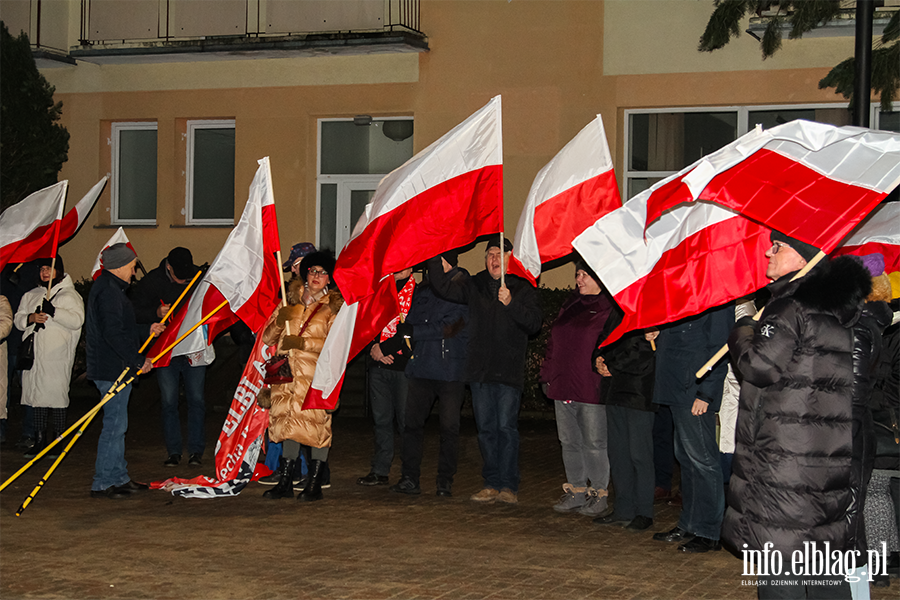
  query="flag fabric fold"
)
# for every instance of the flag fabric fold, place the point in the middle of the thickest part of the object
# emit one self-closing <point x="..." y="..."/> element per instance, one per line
<point x="878" y="233"/>
<point x="571" y="192"/>
<point x="246" y="273"/>
<point x="442" y="198"/>
<point x="811" y="181"/>
<point x="28" y="228"/>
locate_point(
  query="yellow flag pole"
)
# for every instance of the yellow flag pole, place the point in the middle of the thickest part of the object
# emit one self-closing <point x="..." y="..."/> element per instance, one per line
<point x="115" y="389"/>
<point x="724" y="349"/>
<point x="93" y="412"/>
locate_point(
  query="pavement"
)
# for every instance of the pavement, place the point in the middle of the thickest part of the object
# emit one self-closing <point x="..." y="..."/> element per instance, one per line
<point x="359" y="543"/>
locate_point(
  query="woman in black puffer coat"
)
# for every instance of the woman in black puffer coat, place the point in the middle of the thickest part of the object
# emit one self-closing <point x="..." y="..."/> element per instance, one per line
<point x="796" y="478"/>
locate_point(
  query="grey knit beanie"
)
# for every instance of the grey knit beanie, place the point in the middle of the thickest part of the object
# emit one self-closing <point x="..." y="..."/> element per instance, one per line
<point x="117" y="255"/>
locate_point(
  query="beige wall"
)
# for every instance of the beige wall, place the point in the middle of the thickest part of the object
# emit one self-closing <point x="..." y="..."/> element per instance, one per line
<point x="556" y="64"/>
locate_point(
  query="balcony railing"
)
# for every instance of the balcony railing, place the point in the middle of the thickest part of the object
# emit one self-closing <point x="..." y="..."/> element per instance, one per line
<point x="130" y="21"/>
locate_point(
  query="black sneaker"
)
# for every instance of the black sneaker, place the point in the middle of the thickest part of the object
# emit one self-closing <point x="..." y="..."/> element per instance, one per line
<point x="372" y="479"/>
<point x="639" y="523"/>
<point x="195" y="460"/>
<point x="406" y="486"/>
<point x="444" y="488"/>
<point x="172" y="461"/>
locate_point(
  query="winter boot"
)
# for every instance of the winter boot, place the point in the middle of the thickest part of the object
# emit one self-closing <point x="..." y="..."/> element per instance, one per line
<point x="284" y="487"/>
<point x="40" y="442"/>
<point x="313" y="489"/>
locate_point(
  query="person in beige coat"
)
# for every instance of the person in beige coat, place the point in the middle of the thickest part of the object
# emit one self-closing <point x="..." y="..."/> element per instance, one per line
<point x="299" y="330"/>
<point x="6" y="321"/>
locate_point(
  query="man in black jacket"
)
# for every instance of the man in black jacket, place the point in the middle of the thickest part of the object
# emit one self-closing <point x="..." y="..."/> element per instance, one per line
<point x="152" y="296"/>
<point x="501" y="317"/>
<point x="796" y="481"/>
<point x="112" y="346"/>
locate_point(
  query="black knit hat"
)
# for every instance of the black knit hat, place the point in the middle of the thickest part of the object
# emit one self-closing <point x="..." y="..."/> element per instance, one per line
<point x="494" y="242"/>
<point x="581" y="265"/>
<point x="316" y="259"/>
<point x="807" y="251"/>
<point x="182" y="263"/>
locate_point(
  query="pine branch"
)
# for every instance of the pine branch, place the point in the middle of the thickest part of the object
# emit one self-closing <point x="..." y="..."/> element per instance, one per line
<point x="724" y="23"/>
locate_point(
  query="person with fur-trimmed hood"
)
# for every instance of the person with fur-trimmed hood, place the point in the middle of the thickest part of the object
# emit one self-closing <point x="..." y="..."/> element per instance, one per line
<point x="796" y="476"/>
<point x="299" y="330"/>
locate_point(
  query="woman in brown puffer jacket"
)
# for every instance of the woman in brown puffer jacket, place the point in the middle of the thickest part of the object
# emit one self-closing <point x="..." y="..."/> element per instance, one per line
<point x="310" y="312"/>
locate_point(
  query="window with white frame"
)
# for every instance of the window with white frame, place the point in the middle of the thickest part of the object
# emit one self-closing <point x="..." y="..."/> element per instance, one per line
<point x="354" y="155"/>
<point x="661" y="142"/>
<point x="133" y="173"/>
<point x="210" y="172"/>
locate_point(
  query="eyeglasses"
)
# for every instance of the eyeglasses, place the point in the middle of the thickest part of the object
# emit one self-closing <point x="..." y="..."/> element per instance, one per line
<point x="776" y="246"/>
<point x="317" y="273"/>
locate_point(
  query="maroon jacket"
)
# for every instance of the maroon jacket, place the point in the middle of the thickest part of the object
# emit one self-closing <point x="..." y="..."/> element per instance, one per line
<point x="567" y="366"/>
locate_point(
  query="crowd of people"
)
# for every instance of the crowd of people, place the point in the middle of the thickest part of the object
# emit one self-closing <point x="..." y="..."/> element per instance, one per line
<point x="786" y="442"/>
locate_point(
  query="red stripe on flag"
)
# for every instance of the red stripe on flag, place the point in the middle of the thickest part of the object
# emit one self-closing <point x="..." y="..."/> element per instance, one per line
<point x="792" y="198"/>
<point x="890" y="252"/>
<point x="448" y="215"/>
<point x="562" y="218"/>
<point x="517" y="268"/>
<point x="665" y="197"/>
<point x="39" y="244"/>
<point x="714" y="266"/>
<point x="373" y="313"/>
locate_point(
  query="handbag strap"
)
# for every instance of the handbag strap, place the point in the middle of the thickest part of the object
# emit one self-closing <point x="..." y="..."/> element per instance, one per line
<point x="306" y="323"/>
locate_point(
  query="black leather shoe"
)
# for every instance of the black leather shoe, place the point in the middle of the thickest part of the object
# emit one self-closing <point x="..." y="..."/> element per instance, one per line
<point x="112" y="492"/>
<point x="407" y="486"/>
<point x="612" y="520"/>
<point x="172" y="461"/>
<point x="195" y="460"/>
<point x="639" y="523"/>
<point x="444" y="488"/>
<point x="372" y="479"/>
<point x="133" y="486"/>
<point x="677" y="534"/>
<point x="701" y="544"/>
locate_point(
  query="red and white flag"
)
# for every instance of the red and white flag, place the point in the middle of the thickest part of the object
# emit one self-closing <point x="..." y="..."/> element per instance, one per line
<point x="246" y="273"/>
<point x="879" y="233"/>
<point x="45" y="240"/>
<point x="118" y="237"/>
<point x="697" y="239"/>
<point x="693" y="257"/>
<point x="572" y="191"/>
<point x="811" y="181"/>
<point x="28" y="228"/>
<point x="443" y="198"/>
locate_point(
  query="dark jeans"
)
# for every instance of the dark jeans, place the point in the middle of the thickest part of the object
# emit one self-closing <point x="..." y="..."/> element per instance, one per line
<point x="110" y="469"/>
<point x="496" y="408"/>
<point x="419" y="402"/>
<point x="702" y="491"/>
<point x="631" y="460"/>
<point x="387" y="394"/>
<point x="194" y="380"/>
<point x="663" y="447"/>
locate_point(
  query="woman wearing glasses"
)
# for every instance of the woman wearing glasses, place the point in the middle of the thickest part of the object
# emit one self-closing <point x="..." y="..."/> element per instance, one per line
<point x="299" y="330"/>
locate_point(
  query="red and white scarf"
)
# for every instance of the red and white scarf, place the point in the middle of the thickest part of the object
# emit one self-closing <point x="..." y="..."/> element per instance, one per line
<point x="404" y="297"/>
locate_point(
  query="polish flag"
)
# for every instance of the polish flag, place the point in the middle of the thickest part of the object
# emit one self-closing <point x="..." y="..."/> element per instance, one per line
<point x="442" y="198"/>
<point x="27" y="229"/>
<point x="118" y="237"/>
<point x="879" y="233"/>
<point x="811" y="181"/>
<point x="40" y="242"/>
<point x="693" y="257"/>
<point x="246" y="273"/>
<point x="572" y="191"/>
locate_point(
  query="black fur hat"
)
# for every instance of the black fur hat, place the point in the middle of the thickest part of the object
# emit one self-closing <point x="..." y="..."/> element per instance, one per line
<point x="322" y="259"/>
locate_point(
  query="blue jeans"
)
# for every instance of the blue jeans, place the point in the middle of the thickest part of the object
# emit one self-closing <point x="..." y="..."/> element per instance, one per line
<point x="582" y="433"/>
<point x="663" y="453"/>
<point x="194" y="380"/>
<point x="387" y="394"/>
<point x="631" y="460"/>
<point x="496" y="408"/>
<point x="111" y="468"/>
<point x="702" y="491"/>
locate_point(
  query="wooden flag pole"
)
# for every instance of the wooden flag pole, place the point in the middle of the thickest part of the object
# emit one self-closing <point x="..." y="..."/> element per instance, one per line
<point x="287" y="326"/>
<point x="502" y="256"/>
<point x="724" y="349"/>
